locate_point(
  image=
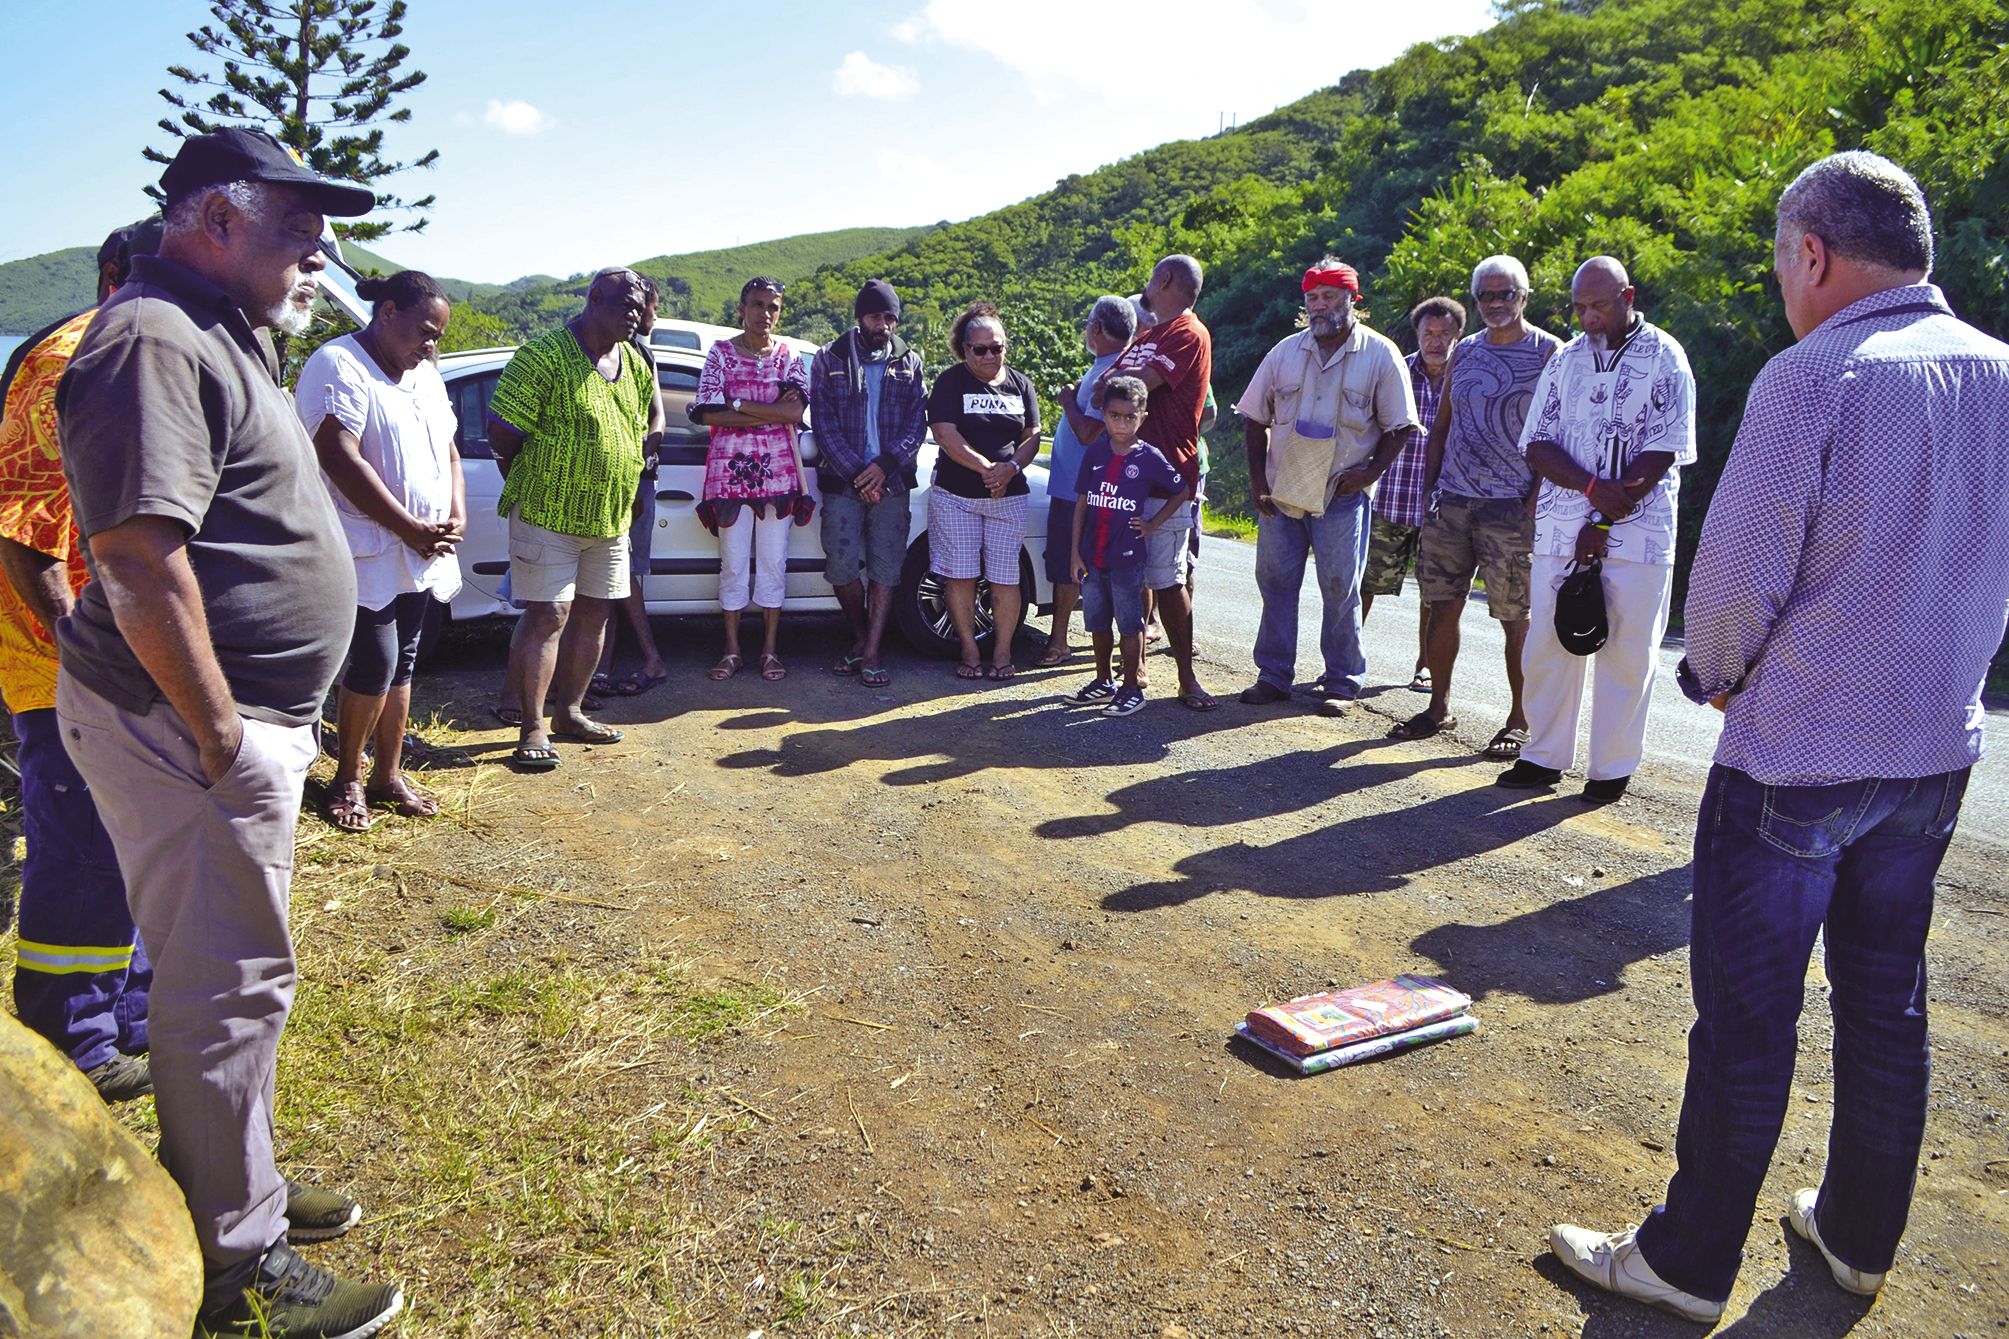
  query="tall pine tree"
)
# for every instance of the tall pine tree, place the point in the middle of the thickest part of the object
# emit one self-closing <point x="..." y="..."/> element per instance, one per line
<point x="315" y="73"/>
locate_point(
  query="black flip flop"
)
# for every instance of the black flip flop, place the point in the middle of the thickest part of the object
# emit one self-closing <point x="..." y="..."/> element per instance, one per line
<point x="534" y="758"/>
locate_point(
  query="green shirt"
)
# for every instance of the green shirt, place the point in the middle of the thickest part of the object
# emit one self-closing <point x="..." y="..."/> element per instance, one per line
<point x="582" y="435"/>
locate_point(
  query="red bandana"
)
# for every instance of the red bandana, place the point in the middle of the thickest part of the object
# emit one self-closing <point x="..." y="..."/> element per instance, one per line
<point x="1334" y="276"/>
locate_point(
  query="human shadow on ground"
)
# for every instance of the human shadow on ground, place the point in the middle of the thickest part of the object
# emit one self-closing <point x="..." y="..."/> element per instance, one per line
<point x="1569" y="950"/>
<point x="979" y="733"/>
<point x="1373" y="853"/>
<point x="1264" y="788"/>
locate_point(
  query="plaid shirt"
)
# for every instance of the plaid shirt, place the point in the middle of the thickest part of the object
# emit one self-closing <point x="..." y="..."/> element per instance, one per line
<point x="1398" y="498"/>
<point x="837" y="408"/>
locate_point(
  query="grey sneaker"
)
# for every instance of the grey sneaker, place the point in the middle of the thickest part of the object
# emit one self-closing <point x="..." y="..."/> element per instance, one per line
<point x="292" y="1298"/>
<point x="1612" y="1261"/>
<point x="1858" y="1281"/>
<point x="315" y="1214"/>
<point x="122" y="1078"/>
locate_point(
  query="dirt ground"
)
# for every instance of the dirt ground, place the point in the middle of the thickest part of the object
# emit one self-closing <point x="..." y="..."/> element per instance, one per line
<point x="995" y="949"/>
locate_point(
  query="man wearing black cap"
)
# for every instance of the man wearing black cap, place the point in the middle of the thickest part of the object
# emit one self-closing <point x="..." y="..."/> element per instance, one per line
<point x="80" y="975"/>
<point x="870" y="408"/>
<point x="194" y="666"/>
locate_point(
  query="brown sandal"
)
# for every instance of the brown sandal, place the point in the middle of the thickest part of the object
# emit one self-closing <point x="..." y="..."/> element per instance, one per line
<point x="725" y="669"/>
<point x="405" y="799"/>
<point x="347" y="807"/>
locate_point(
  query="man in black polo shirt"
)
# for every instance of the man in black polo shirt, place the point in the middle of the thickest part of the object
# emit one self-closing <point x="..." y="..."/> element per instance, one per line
<point x="194" y="666"/>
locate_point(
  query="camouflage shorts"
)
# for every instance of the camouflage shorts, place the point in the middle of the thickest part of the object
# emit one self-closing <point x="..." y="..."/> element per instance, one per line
<point x="1390" y="547"/>
<point x="1490" y="536"/>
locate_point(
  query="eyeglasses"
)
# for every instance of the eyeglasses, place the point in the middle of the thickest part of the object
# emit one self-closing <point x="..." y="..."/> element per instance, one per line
<point x="986" y="350"/>
<point x="1498" y="295"/>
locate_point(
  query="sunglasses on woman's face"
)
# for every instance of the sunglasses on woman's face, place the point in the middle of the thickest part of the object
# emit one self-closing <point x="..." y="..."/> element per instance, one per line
<point x="987" y="350"/>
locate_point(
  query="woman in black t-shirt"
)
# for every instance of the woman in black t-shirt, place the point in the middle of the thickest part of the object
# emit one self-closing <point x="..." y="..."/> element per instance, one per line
<point x="985" y="417"/>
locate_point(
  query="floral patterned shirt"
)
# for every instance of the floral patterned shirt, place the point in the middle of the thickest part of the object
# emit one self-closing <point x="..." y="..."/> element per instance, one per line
<point x="35" y="513"/>
<point x="754" y="464"/>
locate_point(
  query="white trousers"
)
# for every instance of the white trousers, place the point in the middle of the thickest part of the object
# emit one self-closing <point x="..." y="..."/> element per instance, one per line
<point x="753" y="553"/>
<point x="1636" y="600"/>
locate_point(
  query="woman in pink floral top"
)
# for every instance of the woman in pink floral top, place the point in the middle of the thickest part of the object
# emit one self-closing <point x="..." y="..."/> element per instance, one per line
<point x="752" y="394"/>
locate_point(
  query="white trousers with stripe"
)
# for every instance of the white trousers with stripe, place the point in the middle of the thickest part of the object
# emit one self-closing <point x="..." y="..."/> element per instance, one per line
<point x="1636" y="600"/>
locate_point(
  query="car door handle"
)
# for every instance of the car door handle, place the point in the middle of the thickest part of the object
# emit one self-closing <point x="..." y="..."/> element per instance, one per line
<point x="675" y="495"/>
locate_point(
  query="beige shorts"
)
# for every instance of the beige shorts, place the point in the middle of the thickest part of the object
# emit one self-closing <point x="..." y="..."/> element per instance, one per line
<point x="546" y="567"/>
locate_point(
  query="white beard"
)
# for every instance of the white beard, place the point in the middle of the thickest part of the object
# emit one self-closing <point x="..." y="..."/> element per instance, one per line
<point x="290" y="320"/>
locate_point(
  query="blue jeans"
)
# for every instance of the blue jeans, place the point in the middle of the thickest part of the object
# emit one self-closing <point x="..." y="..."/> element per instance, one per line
<point x="1337" y="541"/>
<point x="1774" y="865"/>
<point x="80" y="974"/>
<point x="1113" y="594"/>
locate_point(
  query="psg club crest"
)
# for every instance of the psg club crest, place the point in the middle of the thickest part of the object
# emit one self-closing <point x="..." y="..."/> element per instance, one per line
<point x="1130" y="471"/>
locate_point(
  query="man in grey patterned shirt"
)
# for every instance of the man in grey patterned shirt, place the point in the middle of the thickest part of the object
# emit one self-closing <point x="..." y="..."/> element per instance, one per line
<point x="1858" y="537"/>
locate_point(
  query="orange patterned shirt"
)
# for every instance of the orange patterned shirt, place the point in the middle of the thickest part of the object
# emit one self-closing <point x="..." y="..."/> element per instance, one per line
<point x="35" y="513"/>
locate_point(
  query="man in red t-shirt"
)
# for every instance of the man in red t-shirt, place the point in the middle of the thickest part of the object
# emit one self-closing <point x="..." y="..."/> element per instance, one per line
<point x="1175" y="359"/>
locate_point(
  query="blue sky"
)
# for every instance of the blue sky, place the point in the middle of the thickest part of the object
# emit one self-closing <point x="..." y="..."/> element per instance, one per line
<point x="584" y="133"/>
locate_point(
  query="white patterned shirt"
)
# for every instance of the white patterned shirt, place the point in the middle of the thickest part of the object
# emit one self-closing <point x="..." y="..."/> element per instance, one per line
<point x="1607" y="407"/>
<point x="1853" y="575"/>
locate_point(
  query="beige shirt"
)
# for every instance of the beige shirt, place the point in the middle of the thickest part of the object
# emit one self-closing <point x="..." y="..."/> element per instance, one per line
<point x="1313" y="404"/>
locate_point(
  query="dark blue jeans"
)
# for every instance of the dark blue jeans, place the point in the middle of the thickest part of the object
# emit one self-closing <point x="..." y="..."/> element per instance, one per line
<point x="1774" y="865"/>
<point x="80" y="975"/>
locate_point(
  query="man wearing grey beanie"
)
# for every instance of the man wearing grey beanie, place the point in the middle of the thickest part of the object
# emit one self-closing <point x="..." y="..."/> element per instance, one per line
<point x="870" y="409"/>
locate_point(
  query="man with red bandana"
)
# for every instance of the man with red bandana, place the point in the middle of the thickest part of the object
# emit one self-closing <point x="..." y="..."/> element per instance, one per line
<point x="1327" y="411"/>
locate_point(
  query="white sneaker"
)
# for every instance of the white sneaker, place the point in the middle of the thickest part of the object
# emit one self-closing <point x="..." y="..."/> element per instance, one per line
<point x="1612" y="1261"/>
<point x="1858" y="1281"/>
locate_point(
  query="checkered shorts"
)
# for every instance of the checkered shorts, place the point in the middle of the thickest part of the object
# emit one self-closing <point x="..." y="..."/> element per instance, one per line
<point x="972" y="537"/>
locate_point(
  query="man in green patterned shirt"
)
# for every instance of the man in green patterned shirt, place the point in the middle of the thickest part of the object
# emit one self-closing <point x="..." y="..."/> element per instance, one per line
<point x="567" y="423"/>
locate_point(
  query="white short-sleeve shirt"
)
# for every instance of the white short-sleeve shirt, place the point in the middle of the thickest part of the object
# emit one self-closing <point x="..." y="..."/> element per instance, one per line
<point x="1607" y="409"/>
<point x="406" y="431"/>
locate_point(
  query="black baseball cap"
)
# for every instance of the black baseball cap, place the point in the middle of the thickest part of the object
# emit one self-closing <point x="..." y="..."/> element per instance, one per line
<point x="239" y="154"/>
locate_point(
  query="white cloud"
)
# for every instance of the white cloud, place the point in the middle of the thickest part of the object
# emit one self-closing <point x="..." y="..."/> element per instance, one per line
<point x="862" y="77"/>
<point x="515" y="117"/>
<point x="1244" y="44"/>
<point x="909" y="30"/>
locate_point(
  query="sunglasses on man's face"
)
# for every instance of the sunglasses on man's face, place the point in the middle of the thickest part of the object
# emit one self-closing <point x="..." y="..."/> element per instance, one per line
<point x="987" y="350"/>
<point x="1498" y="295"/>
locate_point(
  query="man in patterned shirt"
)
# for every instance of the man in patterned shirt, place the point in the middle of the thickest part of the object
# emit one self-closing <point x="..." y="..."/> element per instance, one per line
<point x="1400" y="504"/>
<point x="567" y="423"/>
<point x="1615" y="416"/>
<point x="80" y="973"/>
<point x="1481" y="495"/>
<point x="1858" y="532"/>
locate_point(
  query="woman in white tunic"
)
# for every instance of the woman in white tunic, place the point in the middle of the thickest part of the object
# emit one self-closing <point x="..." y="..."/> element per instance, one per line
<point x="383" y="428"/>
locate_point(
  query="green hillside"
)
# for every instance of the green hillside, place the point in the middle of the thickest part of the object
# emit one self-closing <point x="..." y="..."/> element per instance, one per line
<point x="41" y="289"/>
<point x="698" y="285"/>
<point x="1661" y="131"/>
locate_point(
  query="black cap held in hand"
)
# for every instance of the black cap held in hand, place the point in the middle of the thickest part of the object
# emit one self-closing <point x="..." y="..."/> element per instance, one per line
<point x="877" y="296"/>
<point x="238" y="154"/>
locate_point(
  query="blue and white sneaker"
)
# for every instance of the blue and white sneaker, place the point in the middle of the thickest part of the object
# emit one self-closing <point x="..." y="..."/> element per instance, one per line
<point x="1098" y="690"/>
<point x="1127" y="702"/>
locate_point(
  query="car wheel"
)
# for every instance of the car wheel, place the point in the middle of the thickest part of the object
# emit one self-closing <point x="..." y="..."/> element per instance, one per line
<point x="921" y="607"/>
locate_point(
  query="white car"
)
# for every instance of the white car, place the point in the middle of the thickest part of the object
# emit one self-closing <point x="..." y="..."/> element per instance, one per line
<point x="684" y="564"/>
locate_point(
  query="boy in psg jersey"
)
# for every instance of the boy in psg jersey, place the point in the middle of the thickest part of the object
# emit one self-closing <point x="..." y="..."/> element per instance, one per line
<point x="1118" y="474"/>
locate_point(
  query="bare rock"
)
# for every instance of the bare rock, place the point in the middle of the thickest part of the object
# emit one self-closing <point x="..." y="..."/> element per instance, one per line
<point x="94" y="1237"/>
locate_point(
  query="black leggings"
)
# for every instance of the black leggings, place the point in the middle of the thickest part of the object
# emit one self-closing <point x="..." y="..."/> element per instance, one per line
<point x="385" y="646"/>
